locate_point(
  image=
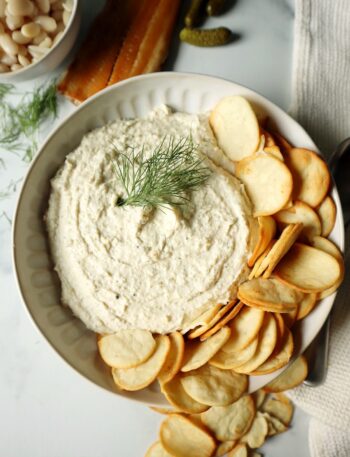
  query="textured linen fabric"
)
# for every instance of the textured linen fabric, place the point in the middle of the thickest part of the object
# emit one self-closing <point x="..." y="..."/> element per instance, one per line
<point x="321" y="103"/>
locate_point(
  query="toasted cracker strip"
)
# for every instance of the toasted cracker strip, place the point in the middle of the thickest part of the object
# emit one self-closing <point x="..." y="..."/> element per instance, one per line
<point x="91" y="69"/>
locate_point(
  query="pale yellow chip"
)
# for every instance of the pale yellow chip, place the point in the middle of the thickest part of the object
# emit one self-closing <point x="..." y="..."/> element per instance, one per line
<point x="141" y="376"/>
<point x="255" y="437"/>
<point x="266" y="345"/>
<point x="174" y="358"/>
<point x="236" y="127"/>
<point x="181" y="437"/>
<point x="275" y="426"/>
<point x="331" y="290"/>
<point x="214" y="387"/>
<point x="280" y="407"/>
<point x="279" y="358"/>
<point x="177" y="397"/>
<point x="302" y="213"/>
<point x="327" y="212"/>
<point x="198" y="353"/>
<point x="160" y="410"/>
<point x="232" y="360"/>
<point x="291" y="377"/>
<point x="240" y="450"/>
<point x="230" y="422"/>
<point x="157" y="450"/>
<point x="254" y="272"/>
<point x="270" y="294"/>
<point x="306" y="305"/>
<point x="308" y="269"/>
<point x="268" y="182"/>
<point x="126" y="348"/>
<point x="201" y="321"/>
<point x="326" y="245"/>
<point x="223" y="321"/>
<point x="275" y="151"/>
<point x="310" y="175"/>
<point x="266" y="231"/>
<point x="286" y="240"/>
<point x="244" y="329"/>
<point x="259" y="397"/>
<point x="224" y="447"/>
<point x="220" y="312"/>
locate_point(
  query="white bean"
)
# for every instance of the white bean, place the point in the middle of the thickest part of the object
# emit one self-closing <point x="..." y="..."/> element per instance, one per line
<point x="24" y="61"/>
<point x="20" y="7"/>
<point x="66" y="16"/>
<point x="38" y="39"/>
<point x="68" y="5"/>
<point x="58" y="37"/>
<point x="19" y="38"/>
<point x="16" y="66"/>
<point x="22" y="50"/>
<point x="47" y="43"/>
<point x="4" y="68"/>
<point x="9" y="60"/>
<point x="36" y="52"/>
<point x="2" y="8"/>
<point x="31" y="29"/>
<point x="14" y="22"/>
<point x="8" y="45"/>
<point x="47" y="23"/>
<point x="43" y="5"/>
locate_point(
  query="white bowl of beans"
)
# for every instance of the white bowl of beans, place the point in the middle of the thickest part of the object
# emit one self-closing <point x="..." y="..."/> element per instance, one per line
<point x="35" y="36"/>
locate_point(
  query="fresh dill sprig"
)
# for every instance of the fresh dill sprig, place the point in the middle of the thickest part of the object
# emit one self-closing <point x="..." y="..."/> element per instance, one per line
<point x="162" y="179"/>
<point x="5" y="88"/>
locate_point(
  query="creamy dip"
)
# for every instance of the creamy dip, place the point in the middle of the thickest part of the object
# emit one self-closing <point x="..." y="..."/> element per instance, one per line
<point x="129" y="267"/>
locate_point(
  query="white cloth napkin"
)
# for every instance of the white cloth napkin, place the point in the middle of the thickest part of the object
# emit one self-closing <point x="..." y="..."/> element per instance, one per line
<point x="321" y="103"/>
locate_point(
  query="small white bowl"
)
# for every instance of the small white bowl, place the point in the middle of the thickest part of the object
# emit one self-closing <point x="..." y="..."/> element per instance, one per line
<point x="54" y="57"/>
<point x="37" y="281"/>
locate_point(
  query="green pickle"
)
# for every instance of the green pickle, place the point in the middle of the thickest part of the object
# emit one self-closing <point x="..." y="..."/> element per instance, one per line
<point x="206" y="38"/>
<point x="215" y="7"/>
<point x="194" y="13"/>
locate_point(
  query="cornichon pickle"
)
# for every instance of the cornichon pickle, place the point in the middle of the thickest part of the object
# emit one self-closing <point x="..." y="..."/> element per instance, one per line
<point x="194" y="13"/>
<point x="215" y="7"/>
<point x="208" y="37"/>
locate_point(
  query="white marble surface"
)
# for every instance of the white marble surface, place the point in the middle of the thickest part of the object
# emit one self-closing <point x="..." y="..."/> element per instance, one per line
<point x="47" y="409"/>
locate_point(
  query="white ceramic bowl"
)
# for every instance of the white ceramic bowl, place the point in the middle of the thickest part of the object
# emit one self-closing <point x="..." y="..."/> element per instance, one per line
<point x="39" y="285"/>
<point x="54" y="57"/>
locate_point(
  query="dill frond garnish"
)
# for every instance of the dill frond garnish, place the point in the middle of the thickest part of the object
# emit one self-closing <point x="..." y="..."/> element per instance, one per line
<point x="163" y="178"/>
<point x="5" y="89"/>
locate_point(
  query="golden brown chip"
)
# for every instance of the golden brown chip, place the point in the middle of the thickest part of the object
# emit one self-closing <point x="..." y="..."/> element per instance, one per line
<point x="306" y="305"/>
<point x="141" y="376"/>
<point x="224" y="320"/>
<point x="181" y="437"/>
<point x="270" y="294"/>
<point x="290" y="318"/>
<point x="157" y="450"/>
<point x="291" y="377"/>
<point x="259" y="397"/>
<point x="269" y="139"/>
<point x="198" y="353"/>
<point x="280" y="407"/>
<point x="201" y="321"/>
<point x="283" y="144"/>
<point x="232" y="360"/>
<point x="267" y="230"/>
<point x="331" y="290"/>
<point x="255" y="437"/>
<point x="302" y="213"/>
<point x="219" y="314"/>
<point x="214" y="387"/>
<point x="161" y="410"/>
<point x="326" y="245"/>
<point x="224" y="447"/>
<point x="275" y="151"/>
<point x="240" y="450"/>
<point x="308" y="269"/>
<point x="174" y="358"/>
<point x="327" y="212"/>
<point x="244" y="329"/>
<point x="253" y="274"/>
<point x="264" y="171"/>
<point x="230" y="422"/>
<point x="177" y="397"/>
<point x="275" y="426"/>
<point x="126" y="348"/>
<point x="311" y="178"/>
<point x="266" y="345"/>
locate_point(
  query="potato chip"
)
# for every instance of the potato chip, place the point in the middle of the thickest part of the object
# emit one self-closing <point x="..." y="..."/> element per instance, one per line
<point x="224" y="447"/>
<point x="157" y="450"/>
<point x="311" y="177"/>
<point x="198" y="353"/>
<point x="281" y="328"/>
<point x="244" y="329"/>
<point x="236" y="127"/>
<point x="291" y="377"/>
<point x="327" y="212"/>
<point x="269" y="139"/>
<point x="259" y="397"/>
<point x="270" y="294"/>
<point x="126" y="348"/>
<point x="177" y="397"/>
<point x="266" y="344"/>
<point x="280" y="407"/>
<point x="275" y="426"/>
<point x="160" y="410"/>
<point x="264" y="171"/>
<point x="283" y="144"/>
<point x="290" y="317"/>
<point x="279" y="358"/>
<point x="308" y="269"/>
<point x="223" y="321"/>
<point x="232" y="360"/>
<point x="286" y="240"/>
<point x="214" y="387"/>
<point x="300" y="212"/>
<point x="201" y="320"/>
<point x="255" y="437"/>
<point x="267" y="230"/>
<point x="181" y="437"/>
<point x="254" y="272"/>
<point x="239" y="451"/>
<point x="230" y="422"/>
<point x="326" y="245"/>
<point x="275" y="151"/>
<point x="331" y="290"/>
<point x="306" y="305"/>
<point x="222" y="311"/>
<point x="174" y="358"/>
<point x="143" y="375"/>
